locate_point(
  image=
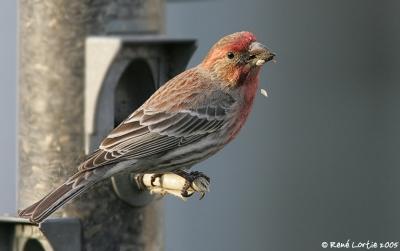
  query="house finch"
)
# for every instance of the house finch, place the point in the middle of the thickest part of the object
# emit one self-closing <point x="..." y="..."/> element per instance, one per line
<point x="187" y="120"/>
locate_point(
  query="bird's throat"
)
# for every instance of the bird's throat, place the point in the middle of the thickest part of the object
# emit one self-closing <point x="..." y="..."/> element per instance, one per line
<point x="248" y="90"/>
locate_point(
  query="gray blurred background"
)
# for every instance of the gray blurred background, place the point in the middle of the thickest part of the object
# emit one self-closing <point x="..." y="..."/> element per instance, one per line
<point x="317" y="161"/>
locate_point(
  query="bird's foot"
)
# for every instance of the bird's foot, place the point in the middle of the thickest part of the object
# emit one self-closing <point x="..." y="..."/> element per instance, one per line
<point x="179" y="183"/>
<point x="194" y="181"/>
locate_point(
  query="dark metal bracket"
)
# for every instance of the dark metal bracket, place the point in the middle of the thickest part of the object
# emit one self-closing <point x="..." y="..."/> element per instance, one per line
<point x="126" y="188"/>
<point x="64" y="234"/>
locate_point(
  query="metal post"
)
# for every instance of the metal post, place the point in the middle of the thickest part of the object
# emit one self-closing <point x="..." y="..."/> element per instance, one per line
<point x="51" y="113"/>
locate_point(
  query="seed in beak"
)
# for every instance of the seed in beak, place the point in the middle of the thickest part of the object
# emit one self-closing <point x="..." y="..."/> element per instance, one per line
<point x="260" y="62"/>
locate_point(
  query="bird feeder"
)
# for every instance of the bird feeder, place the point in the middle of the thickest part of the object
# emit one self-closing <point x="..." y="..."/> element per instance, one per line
<point x="84" y="67"/>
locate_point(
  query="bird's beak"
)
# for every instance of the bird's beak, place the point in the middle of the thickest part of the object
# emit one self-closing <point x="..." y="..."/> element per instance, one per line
<point x="259" y="54"/>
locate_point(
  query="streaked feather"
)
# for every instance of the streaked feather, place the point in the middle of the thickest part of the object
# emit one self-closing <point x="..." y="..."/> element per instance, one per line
<point x="158" y="126"/>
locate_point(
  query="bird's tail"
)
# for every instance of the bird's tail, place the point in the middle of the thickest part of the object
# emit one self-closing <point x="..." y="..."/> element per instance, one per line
<point x="74" y="186"/>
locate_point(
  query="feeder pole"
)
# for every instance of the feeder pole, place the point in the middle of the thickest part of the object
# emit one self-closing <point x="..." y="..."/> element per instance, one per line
<point x="52" y="36"/>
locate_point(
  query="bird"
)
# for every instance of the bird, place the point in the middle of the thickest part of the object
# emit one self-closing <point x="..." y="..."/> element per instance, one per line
<point x="188" y="119"/>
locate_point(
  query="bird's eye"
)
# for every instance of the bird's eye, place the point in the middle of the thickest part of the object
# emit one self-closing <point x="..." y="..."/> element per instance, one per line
<point x="230" y="55"/>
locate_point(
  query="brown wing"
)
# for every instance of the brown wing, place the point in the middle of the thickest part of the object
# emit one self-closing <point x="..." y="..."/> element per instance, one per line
<point x="152" y="130"/>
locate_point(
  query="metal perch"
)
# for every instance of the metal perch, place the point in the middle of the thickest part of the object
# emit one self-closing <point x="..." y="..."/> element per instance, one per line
<point x="175" y="184"/>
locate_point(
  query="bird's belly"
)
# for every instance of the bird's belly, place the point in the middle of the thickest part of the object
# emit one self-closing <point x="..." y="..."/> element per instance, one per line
<point x="187" y="155"/>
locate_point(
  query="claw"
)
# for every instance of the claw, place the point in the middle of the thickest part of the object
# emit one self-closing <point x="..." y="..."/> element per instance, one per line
<point x="185" y="188"/>
<point x="154" y="177"/>
<point x="202" y="194"/>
